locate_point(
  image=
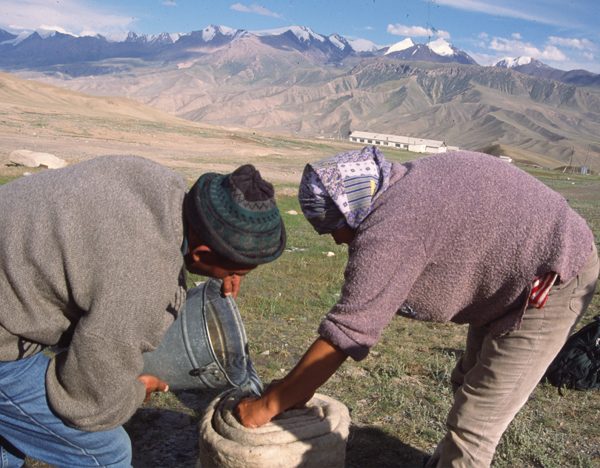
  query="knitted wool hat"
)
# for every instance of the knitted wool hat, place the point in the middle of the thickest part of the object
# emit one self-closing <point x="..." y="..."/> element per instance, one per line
<point x="236" y="215"/>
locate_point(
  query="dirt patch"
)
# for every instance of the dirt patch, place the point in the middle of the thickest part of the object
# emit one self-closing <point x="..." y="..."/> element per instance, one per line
<point x="75" y="133"/>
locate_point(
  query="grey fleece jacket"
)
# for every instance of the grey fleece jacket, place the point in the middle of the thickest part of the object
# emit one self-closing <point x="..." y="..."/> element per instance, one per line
<point x="456" y="237"/>
<point x="90" y="260"/>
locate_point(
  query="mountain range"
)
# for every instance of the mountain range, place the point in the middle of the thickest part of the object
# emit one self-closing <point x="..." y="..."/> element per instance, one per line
<point x="299" y="82"/>
<point x="533" y="67"/>
<point x="50" y="50"/>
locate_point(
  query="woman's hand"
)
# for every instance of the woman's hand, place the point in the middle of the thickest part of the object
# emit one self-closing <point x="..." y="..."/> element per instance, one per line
<point x="153" y="384"/>
<point x="319" y="363"/>
<point x="300" y="404"/>
<point x="253" y="412"/>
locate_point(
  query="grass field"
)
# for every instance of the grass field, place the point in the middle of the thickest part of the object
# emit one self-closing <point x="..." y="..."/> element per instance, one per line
<point x="399" y="396"/>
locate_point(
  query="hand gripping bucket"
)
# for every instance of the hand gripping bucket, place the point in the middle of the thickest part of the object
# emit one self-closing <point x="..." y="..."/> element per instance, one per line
<point x="206" y="346"/>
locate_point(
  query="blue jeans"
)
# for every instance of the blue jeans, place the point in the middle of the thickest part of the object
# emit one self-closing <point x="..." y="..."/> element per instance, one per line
<point x="28" y="427"/>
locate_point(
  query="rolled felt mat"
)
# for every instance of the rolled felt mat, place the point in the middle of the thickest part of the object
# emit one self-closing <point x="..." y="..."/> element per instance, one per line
<point x="312" y="436"/>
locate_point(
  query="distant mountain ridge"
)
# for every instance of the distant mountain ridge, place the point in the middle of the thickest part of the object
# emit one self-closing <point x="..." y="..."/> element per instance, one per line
<point x="56" y="49"/>
<point x="533" y="67"/>
<point x="6" y="36"/>
<point x="37" y="51"/>
<point x="333" y="48"/>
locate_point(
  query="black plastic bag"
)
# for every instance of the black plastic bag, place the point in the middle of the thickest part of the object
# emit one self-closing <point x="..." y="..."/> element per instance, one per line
<point x="577" y="365"/>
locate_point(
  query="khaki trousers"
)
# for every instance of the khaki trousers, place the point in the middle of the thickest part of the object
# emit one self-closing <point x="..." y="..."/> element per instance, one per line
<point x="496" y="375"/>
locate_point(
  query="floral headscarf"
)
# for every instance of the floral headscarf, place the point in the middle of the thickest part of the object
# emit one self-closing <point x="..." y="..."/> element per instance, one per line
<point x="340" y="190"/>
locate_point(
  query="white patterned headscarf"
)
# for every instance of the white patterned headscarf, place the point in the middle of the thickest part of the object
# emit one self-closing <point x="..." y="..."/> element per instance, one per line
<point x="340" y="190"/>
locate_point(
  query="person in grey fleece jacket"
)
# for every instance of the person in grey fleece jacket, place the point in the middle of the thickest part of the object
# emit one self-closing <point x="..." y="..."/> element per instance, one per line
<point x="462" y="237"/>
<point x="91" y="262"/>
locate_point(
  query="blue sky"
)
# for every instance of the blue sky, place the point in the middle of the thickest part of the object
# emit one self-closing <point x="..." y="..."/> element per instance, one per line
<point x="562" y="33"/>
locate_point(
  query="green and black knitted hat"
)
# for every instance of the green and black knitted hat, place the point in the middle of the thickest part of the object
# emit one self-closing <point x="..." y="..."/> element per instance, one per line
<point x="236" y="215"/>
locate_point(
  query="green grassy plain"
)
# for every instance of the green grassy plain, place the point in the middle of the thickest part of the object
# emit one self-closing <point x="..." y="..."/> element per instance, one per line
<point x="399" y="396"/>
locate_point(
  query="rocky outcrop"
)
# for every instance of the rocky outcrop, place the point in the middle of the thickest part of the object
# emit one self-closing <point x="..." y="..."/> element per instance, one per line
<point x="35" y="159"/>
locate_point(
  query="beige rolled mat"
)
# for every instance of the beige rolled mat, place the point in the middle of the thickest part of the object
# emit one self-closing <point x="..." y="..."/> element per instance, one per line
<point x="314" y="436"/>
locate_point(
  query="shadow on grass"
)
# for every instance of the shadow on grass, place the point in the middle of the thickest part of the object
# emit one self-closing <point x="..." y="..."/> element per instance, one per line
<point x="161" y="436"/>
<point x="169" y="438"/>
<point x="370" y="447"/>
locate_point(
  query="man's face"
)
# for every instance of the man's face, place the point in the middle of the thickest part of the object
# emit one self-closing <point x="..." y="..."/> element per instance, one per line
<point x="201" y="260"/>
<point x="207" y="263"/>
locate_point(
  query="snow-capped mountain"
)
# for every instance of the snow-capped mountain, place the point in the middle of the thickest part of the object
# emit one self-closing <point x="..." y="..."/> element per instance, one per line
<point x="211" y="32"/>
<point x="331" y="48"/>
<point x="46" y="49"/>
<point x="400" y="46"/>
<point x="510" y="62"/>
<point x="533" y="67"/>
<point x="158" y="39"/>
<point x="59" y="50"/>
<point x="302" y="33"/>
<point x="442" y="47"/>
<point x="363" y="45"/>
<point x="213" y="36"/>
<point x="439" y="50"/>
<point x="339" y="41"/>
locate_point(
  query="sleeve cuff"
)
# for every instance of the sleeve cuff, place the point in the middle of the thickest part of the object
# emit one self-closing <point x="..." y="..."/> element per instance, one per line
<point x="332" y="333"/>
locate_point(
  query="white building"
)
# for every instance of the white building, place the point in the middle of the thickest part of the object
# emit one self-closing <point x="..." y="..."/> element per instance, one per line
<point x="417" y="145"/>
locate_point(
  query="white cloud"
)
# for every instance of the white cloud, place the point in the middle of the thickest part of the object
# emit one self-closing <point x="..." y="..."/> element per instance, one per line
<point x="581" y="44"/>
<point x="169" y="3"/>
<point x="552" y="53"/>
<point x="516" y="35"/>
<point x="46" y="27"/>
<point x="481" y="40"/>
<point x="416" y="31"/>
<point x="515" y="48"/>
<point x="402" y="30"/>
<point x="562" y="53"/>
<point x="70" y="15"/>
<point x="483" y="58"/>
<point x="516" y="9"/>
<point x="254" y="8"/>
<point x="442" y="34"/>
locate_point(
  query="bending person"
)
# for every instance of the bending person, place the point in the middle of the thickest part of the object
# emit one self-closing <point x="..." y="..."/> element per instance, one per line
<point x="91" y="262"/>
<point x="461" y="237"/>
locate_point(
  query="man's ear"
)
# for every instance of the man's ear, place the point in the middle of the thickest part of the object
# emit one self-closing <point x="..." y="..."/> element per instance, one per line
<point x="199" y="251"/>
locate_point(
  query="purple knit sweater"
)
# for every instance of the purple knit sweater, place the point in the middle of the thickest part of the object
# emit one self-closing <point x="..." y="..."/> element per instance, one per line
<point x="456" y="237"/>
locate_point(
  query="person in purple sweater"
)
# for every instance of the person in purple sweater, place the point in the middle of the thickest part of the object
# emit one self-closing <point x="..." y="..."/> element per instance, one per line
<point x="462" y="237"/>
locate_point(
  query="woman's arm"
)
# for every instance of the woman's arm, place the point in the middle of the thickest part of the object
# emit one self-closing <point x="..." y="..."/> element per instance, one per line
<point x="319" y="363"/>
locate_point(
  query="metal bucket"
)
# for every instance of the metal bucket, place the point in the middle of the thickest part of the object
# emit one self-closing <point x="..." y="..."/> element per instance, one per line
<point x="206" y="346"/>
